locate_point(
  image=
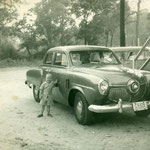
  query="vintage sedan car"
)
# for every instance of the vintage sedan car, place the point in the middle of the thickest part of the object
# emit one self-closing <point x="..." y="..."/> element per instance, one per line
<point x="92" y="80"/>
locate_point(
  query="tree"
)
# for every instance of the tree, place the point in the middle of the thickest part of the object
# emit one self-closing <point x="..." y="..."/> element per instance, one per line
<point x="99" y="20"/>
<point x="54" y="21"/>
<point x="7" y="14"/>
<point x="96" y="15"/>
<point x="27" y="34"/>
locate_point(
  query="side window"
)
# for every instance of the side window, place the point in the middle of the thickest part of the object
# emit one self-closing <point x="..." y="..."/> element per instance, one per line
<point x="49" y="58"/>
<point x="61" y="59"/>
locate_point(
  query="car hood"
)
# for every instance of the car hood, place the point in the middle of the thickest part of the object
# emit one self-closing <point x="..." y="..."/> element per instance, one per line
<point x="114" y="74"/>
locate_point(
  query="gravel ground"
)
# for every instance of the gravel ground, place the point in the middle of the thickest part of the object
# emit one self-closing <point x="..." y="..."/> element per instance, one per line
<point x="20" y="129"/>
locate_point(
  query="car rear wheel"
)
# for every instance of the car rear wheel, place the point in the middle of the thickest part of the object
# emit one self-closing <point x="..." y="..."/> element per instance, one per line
<point x="143" y="113"/>
<point x="36" y="94"/>
<point x="82" y="114"/>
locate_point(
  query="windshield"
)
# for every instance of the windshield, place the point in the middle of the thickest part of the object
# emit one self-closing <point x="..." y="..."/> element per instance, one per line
<point x="92" y="57"/>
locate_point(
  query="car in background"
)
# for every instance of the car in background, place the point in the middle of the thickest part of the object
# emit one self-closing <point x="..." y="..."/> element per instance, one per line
<point x="127" y="54"/>
<point x="91" y="79"/>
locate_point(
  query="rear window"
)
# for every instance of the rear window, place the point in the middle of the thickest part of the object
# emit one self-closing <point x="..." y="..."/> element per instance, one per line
<point x="49" y="58"/>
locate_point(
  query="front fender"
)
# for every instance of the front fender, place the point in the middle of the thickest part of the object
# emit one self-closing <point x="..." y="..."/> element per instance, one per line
<point x="87" y="84"/>
<point x="89" y="93"/>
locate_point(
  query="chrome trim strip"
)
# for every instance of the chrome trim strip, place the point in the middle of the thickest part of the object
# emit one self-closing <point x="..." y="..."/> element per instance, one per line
<point x="79" y="85"/>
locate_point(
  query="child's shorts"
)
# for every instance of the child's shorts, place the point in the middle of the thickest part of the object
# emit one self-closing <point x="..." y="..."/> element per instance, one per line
<point x="46" y="101"/>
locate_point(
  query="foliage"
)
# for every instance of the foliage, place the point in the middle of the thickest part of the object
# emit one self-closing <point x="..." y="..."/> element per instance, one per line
<point x="54" y="21"/>
<point x="8" y="13"/>
<point x="100" y="19"/>
<point x="8" y="50"/>
<point x="65" y="22"/>
<point x="19" y="63"/>
<point x="92" y="29"/>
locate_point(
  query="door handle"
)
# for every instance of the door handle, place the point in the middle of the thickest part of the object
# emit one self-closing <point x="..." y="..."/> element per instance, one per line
<point x="67" y="83"/>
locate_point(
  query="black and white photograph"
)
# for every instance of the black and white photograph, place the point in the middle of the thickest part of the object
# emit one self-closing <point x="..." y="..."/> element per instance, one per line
<point x="74" y="74"/>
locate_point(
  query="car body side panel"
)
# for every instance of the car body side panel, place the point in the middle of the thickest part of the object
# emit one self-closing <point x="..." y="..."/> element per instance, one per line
<point x="59" y="93"/>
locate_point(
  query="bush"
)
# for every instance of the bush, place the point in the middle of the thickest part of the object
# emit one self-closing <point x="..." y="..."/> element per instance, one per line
<point x="19" y="63"/>
<point x="40" y="55"/>
<point x="7" y="50"/>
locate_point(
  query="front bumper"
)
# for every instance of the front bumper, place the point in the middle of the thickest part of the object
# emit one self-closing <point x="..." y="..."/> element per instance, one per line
<point x="120" y="107"/>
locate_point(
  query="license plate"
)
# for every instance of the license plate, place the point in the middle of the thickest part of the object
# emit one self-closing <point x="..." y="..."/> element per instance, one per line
<point x="138" y="106"/>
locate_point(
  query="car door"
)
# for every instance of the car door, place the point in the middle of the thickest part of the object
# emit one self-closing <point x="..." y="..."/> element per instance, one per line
<point x="47" y="64"/>
<point x="56" y="63"/>
<point x="60" y="69"/>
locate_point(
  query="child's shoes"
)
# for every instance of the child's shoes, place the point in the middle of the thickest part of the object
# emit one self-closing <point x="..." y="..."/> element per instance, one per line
<point x="50" y="115"/>
<point x="40" y="115"/>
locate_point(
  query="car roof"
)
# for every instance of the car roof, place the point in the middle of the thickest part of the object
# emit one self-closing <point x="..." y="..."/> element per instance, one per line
<point x="128" y="48"/>
<point x="78" y="48"/>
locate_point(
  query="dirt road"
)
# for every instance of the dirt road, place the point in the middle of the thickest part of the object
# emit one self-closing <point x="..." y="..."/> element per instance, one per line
<point x="20" y="129"/>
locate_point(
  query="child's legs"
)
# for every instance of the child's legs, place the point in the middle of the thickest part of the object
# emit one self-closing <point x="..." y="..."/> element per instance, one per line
<point x="42" y="109"/>
<point x="43" y="104"/>
<point x="48" y="109"/>
<point x="48" y="104"/>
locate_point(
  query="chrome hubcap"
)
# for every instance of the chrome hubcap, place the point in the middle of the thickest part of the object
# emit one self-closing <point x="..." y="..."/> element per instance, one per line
<point x="36" y="92"/>
<point x="79" y="109"/>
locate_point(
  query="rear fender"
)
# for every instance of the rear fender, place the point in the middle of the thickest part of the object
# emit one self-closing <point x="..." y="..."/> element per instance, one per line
<point x="34" y="77"/>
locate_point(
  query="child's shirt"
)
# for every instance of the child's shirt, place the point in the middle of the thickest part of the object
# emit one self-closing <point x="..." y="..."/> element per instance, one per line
<point x="46" y="89"/>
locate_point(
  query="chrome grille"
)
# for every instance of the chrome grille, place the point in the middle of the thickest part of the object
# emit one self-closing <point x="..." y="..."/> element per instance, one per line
<point x="116" y="93"/>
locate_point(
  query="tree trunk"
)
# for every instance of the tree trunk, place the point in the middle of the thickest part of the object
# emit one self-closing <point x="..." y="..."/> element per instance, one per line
<point x="62" y="31"/>
<point x="0" y="37"/>
<point x="106" y="38"/>
<point x="122" y="23"/>
<point x="85" y="41"/>
<point x="29" y="53"/>
<point x="137" y="22"/>
<point x="111" y="38"/>
<point x="46" y="35"/>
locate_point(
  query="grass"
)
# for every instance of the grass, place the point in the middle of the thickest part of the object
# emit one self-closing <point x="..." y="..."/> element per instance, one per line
<point x="19" y="63"/>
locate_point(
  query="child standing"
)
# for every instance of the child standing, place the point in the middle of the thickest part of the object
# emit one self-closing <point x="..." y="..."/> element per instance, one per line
<point x="45" y="94"/>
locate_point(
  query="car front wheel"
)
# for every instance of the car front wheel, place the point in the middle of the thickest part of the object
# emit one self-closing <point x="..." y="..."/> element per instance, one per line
<point x="82" y="114"/>
<point x="36" y="94"/>
<point x="143" y="113"/>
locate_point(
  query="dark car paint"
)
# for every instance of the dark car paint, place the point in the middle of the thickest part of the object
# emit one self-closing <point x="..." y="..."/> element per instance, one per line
<point x="85" y="78"/>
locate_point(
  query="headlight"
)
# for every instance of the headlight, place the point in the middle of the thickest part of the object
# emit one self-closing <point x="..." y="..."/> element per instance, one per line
<point x="133" y="86"/>
<point x="103" y="87"/>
